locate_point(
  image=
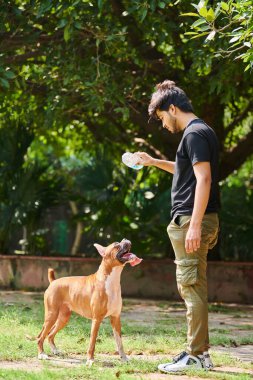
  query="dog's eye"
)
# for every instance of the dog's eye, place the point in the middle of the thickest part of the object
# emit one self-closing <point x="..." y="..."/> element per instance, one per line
<point x="116" y="245"/>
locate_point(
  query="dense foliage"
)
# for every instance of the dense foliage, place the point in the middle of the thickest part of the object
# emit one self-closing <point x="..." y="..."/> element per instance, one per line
<point x="76" y="78"/>
<point x="231" y="22"/>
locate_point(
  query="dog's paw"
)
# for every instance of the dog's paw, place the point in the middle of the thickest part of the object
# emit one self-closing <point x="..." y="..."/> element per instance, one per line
<point x="89" y="362"/>
<point x="124" y="359"/>
<point x="43" y="356"/>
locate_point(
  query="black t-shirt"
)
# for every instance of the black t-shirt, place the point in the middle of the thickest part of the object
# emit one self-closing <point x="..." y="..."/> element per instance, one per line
<point x="199" y="144"/>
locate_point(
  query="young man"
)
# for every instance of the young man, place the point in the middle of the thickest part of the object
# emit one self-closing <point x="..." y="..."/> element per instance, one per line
<point x="194" y="226"/>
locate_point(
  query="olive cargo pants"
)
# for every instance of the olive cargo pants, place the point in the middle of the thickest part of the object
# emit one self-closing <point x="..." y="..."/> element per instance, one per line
<point x="191" y="277"/>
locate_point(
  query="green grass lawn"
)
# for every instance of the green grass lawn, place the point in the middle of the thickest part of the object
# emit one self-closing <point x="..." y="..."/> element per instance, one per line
<point x="143" y="342"/>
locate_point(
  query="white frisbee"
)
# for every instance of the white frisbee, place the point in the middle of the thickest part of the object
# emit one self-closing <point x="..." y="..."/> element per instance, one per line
<point x="130" y="160"/>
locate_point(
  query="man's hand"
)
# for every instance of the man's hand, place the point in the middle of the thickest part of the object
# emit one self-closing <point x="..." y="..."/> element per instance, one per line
<point x="192" y="240"/>
<point x="144" y="159"/>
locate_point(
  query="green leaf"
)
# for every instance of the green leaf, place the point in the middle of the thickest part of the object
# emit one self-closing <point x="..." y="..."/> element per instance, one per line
<point x="195" y="6"/>
<point x="210" y="15"/>
<point x="144" y="14"/>
<point x="78" y="25"/>
<point x="217" y="10"/>
<point x="152" y="5"/>
<point x="45" y="6"/>
<point x="203" y="12"/>
<point x="4" y="83"/>
<point x="66" y="34"/>
<point x="225" y="6"/>
<point x="200" y="35"/>
<point x="198" y="22"/>
<point x="100" y="4"/>
<point x="161" y="4"/>
<point x="190" y="14"/>
<point x="63" y="22"/>
<point x="240" y="56"/>
<point x="190" y="33"/>
<point x="211" y="35"/>
<point x="201" y="4"/>
<point x="234" y="39"/>
<point x="9" y="74"/>
<point x="203" y="28"/>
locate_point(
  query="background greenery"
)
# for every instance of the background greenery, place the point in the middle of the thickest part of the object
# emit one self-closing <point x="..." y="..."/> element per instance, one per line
<point x="76" y="78"/>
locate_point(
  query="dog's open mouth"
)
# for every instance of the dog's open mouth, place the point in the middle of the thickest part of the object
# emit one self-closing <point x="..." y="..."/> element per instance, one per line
<point x="125" y="256"/>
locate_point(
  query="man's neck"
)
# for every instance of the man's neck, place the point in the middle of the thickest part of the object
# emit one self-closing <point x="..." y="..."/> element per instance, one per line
<point x="185" y="119"/>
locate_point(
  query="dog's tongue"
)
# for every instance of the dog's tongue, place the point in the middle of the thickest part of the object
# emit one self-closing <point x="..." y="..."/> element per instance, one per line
<point x="134" y="259"/>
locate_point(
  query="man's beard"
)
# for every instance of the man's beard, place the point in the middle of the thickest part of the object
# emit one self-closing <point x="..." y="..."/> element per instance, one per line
<point x="173" y="123"/>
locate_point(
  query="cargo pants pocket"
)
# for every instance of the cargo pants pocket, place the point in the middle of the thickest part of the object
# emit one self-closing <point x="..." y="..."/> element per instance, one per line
<point x="187" y="271"/>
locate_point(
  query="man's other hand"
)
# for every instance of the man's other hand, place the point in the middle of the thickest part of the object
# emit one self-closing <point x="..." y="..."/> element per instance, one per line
<point x="192" y="240"/>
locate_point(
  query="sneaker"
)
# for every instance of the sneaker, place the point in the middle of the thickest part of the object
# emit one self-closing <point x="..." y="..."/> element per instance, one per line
<point x="208" y="361"/>
<point x="183" y="362"/>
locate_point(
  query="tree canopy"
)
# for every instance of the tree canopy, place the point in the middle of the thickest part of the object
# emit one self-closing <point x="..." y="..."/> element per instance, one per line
<point x="76" y="77"/>
<point x="231" y="22"/>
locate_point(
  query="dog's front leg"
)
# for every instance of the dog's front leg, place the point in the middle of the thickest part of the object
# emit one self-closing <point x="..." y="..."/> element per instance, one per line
<point x="93" y="337"/>
<point x="116" y="327"/>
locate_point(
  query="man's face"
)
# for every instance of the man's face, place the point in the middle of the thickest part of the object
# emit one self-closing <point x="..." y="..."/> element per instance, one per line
<point x="169" y="119"/>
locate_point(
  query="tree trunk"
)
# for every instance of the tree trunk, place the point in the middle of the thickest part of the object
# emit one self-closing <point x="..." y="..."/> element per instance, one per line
<point x="79" y="229"/>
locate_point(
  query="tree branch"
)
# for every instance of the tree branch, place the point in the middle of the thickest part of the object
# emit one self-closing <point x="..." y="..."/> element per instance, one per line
<point x="239" y="118"/>
<point x="157" y="152"/>
<point x="23" y="40"/>
<point x="234" y="158"/>
<point x="22" y="57"/>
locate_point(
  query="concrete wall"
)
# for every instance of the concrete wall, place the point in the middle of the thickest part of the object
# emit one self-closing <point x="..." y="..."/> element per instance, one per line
<point x="227" y="282"/>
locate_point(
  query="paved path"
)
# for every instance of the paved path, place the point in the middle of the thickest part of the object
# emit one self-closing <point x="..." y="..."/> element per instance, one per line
<point x="243" y="353"/>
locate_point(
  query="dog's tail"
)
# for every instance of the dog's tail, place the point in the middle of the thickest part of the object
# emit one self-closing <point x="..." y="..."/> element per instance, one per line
<point x="51" y="276"/>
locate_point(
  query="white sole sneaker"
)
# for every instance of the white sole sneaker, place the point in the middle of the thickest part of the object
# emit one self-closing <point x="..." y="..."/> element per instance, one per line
<point x="182" y="363"/>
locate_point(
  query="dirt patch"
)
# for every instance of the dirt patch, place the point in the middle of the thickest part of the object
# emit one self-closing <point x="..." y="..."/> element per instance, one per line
<point x="31" y="365"/>
<point x="34" y="365"/>
<point x="223" y="370"/>
<point x="12" y="297"/>
<point x="159" y="376"/>
<point x="37" y="365"/>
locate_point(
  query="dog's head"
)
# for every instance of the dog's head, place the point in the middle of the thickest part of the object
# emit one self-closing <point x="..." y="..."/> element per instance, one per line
<point x="118" y="253"/>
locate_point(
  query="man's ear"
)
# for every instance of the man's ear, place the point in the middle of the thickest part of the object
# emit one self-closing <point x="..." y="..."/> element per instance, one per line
<point x="173" y="109"/>
<point x="100" y="249"/>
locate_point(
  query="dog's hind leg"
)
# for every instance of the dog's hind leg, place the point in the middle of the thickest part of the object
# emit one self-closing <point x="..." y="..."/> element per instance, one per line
<point x="62" y="320"/>
<point x="116" y="327"/>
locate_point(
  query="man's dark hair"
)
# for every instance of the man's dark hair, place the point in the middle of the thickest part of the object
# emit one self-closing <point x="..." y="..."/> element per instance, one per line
<point x="168" y="93"/>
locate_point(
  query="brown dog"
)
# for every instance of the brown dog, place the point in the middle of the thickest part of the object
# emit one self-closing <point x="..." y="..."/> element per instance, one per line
<point x="95" y="297"/>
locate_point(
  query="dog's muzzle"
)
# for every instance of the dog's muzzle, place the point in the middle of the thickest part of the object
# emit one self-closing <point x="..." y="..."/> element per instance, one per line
<point x="125" y="256"/>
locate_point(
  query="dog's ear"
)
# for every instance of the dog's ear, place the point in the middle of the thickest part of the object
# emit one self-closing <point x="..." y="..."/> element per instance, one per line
<point x="100" y="249"/>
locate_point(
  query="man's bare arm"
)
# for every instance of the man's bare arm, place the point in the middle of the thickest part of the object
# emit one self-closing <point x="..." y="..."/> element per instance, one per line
<point x="202" y="171"/>
<point x="168" y="166"/>
<point x="146" y="160"/>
